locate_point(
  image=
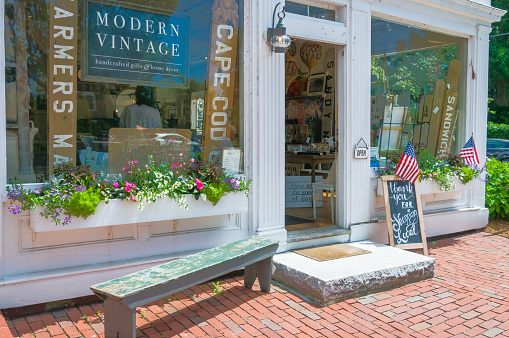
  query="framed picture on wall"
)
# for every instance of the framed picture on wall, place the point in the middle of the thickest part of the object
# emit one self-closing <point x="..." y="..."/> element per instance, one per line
<point x="394" y="115"/>
<point x="316" y="84"/>
<point x="91" y="100"/>
<point x="390" y="138"/>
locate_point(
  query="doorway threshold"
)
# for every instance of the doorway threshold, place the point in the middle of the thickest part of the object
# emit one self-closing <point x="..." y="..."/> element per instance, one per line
<point x="327" y="282"/>
<point x="299" y="239"/>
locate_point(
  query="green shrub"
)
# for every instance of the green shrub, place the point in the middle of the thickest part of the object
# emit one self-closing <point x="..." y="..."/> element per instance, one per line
<point x="498" y="130"/>
<point x="497" y="188"/>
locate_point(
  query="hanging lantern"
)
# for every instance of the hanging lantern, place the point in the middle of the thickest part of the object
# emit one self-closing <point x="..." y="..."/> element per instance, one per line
<point x="311" y="53"/>
<point x="290" y="70"/>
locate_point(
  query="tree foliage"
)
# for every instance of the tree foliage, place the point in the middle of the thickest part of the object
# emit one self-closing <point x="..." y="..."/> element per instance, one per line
<point x="499" y="54"/>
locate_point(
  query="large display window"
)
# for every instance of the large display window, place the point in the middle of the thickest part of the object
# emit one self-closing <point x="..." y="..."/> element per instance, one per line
<point x="98" y="82"/>
<point x="417" y="90"/>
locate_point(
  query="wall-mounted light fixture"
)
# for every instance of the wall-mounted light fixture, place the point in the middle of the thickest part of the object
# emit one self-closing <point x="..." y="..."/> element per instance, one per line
<point x="276" y="36"/>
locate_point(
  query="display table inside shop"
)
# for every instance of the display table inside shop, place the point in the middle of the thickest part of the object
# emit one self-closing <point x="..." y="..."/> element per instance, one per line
<point x="310" y="159"/>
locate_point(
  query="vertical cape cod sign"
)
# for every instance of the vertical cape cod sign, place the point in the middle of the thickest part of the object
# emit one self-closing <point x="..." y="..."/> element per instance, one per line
<point x="222" y="74"/>
<point x="127" y="45"/>
<point x="62" y="79"/>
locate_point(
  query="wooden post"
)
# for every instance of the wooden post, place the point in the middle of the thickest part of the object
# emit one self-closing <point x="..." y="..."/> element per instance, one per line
<point x="262" y="269"/>
<point x="436" y="116"/>
<point x="119" y="320"/>
<point x="22" y="91"/>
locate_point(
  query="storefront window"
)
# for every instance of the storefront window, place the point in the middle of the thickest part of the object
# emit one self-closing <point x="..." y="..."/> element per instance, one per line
<point x="97" y="82"/>
<point x="417" y="90"/>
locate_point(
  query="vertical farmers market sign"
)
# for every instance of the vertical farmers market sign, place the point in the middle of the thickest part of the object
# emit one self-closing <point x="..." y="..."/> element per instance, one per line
<point x="125" y="45"/>
<point x="62" y="80"/>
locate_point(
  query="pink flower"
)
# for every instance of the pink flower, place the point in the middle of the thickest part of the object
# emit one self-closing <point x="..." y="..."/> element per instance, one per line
<point x="115" y="184"/>
<point x="170" y="154"/>
<point x="128" y="189"/>
<point x="199" y="185"/>
<point x="135" y="161"/>
<point x="192" y="160"/>
<point x="180" y="154"/>
<point x="133" y="198"/>
<point x="429" y="175"/>
<point x="434" y="175"/>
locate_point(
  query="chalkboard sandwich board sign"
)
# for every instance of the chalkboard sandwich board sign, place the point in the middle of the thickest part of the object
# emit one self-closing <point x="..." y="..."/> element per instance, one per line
<point x="403" y="211"/>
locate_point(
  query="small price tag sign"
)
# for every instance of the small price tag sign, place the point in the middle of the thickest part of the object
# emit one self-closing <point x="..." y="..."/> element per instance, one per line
<point x="361" y="151"/>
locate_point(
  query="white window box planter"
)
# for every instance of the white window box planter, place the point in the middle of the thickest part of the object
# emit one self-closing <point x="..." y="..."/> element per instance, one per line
<point x="118" y="212"/>
<point x="427" y="187"/>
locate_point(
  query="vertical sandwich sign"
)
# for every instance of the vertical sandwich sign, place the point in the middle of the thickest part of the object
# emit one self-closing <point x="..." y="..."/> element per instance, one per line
<point x="222" y="74"/>
<point x="62" y="81"/>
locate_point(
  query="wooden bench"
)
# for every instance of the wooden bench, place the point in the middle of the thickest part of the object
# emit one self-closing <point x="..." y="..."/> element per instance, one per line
<point x="122" y="295"/>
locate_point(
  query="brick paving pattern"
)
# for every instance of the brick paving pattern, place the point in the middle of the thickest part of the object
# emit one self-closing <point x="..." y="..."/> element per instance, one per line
<point x="469" y="297"/>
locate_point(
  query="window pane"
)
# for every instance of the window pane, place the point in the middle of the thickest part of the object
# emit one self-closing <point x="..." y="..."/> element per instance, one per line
<point x="156" y="77"/>
<point x="314" y="12"/>
<point x="416" y="89"/>
<point x="321" y="13"/>
<point x="292" y="7"/>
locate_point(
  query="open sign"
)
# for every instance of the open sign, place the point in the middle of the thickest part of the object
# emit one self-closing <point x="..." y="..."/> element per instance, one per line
<point x="361" y="152"/>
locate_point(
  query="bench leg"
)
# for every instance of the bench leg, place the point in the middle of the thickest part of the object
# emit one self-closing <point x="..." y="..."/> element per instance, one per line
<point x="119" y="320"/>
<point x="262" y="269"/>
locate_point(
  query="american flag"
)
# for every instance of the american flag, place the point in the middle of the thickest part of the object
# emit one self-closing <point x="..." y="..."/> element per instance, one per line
<point x="469" y="153"/>
<point x="407" y="167"/>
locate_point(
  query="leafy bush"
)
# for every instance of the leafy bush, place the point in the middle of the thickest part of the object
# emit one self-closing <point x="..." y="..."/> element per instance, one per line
<point x="498" y="114"/>
<point x="497" y="188"/>
<point x="498" y="130"/>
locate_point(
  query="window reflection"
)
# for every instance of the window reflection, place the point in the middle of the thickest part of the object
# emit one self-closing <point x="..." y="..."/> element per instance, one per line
<point x="127" y="94"/>
<point x="414" y="73"/>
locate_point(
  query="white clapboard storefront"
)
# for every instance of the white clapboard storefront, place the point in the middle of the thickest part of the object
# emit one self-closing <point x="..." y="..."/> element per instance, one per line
<point x="37" y="267"/>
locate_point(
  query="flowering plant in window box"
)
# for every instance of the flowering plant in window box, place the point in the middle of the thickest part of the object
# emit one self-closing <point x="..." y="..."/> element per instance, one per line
<point x="447" y="173"/>
<point x="76" y="191"/>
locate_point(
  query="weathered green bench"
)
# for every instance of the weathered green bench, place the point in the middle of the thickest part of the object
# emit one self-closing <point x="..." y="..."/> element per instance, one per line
<point x="122" y="295"/>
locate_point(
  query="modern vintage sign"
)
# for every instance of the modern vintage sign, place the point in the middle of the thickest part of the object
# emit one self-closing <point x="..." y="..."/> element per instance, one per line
<point x="127" y="45"/>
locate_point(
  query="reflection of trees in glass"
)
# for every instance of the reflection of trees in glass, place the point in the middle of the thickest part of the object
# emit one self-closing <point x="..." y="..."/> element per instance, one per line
<point x="416" y="72"/>
<point x="499" y="67"/>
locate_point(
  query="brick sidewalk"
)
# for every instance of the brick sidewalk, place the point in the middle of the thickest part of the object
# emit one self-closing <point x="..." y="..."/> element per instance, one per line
<point x="469" y="296"/>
